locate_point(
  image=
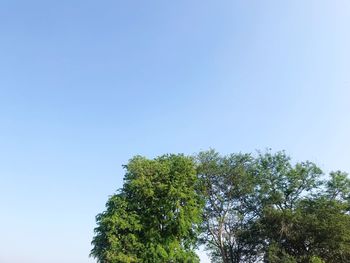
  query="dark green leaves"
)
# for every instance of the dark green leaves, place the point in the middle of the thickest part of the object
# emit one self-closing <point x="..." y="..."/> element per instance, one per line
<point x="265" y="208"/>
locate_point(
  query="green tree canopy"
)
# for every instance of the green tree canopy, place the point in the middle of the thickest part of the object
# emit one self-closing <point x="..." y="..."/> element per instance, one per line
<point x="229" y="213"/>
<point x="265" y="208"/>
<point x="154" y="217"/>
<point x="244" y="208"/>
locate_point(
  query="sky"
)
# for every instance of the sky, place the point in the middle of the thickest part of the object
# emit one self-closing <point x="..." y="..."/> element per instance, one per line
<point x="86" y="85"/>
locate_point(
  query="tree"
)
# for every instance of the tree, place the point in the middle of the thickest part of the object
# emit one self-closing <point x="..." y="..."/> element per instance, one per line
<point x="338" y="186"/>
<point x="317" y="228"/>
<point x="247" y="209"/>
<point x="281" y="184"/>
<point x="155" y="216"/>
<point x="265" y="208"/>
<point x="280" y="189"/>
<point x="118" y="233"/>
<point x="303" y="219"/>
<point x="229" y="213"/>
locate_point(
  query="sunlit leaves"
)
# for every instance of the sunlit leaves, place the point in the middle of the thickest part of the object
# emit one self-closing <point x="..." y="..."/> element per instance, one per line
<point x="155" y="216"/>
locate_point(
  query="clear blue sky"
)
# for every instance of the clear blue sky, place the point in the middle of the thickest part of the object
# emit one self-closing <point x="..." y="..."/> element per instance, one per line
<point x="85" y="85"/>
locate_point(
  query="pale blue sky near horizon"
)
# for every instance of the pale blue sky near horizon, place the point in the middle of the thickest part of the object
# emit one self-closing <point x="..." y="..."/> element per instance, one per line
<point x="85" y="85"/>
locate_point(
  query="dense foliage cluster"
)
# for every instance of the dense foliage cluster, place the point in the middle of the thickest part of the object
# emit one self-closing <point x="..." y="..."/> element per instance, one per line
<point x="243" y="208"/>
<point x="154" y="217"/>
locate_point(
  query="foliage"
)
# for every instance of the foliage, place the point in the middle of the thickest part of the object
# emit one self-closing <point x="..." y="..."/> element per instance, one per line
<point x="155" y="216"/>
<point x="318" y="227"/>
<point x="302" y="219"/>
<point x="281" y="184"/>
<point x="229" y="213"/>
<point x="117" y="233"/>
<point x="244" y="208"/>
<point x="264" y="208"/>
<point x="338" y="187"/>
